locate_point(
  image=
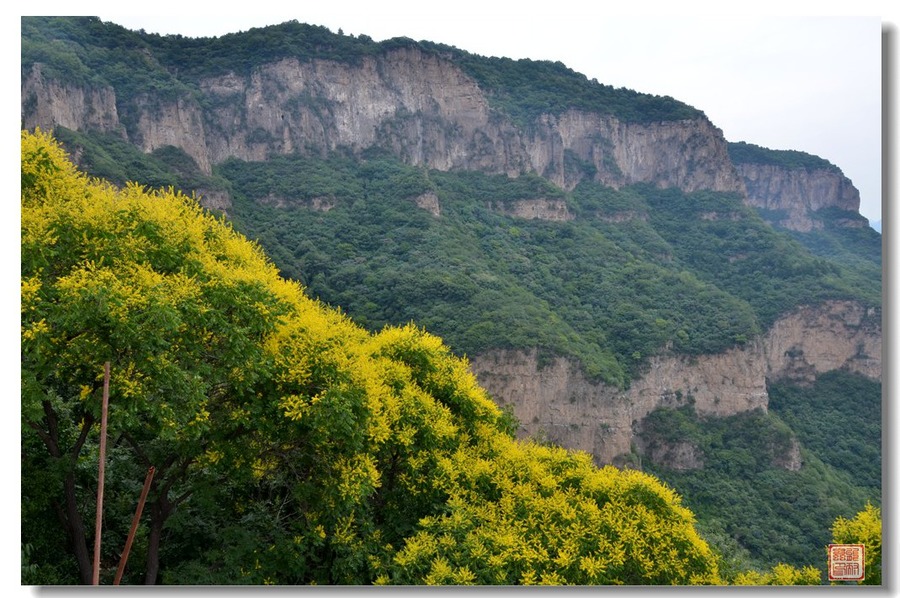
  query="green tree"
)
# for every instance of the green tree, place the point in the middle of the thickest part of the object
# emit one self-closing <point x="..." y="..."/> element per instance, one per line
<point x="292" y="446"/>
<point x="780" y="575"/>
<point x="163" y="292"/>
<point x="864" y="528"/>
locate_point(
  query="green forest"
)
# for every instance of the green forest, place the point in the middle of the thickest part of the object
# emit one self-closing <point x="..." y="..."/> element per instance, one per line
<point x="291" y="445"/>
<point x="635" y="273"/>
<point x="295" y="371"/>
<point x="606" y="291"/>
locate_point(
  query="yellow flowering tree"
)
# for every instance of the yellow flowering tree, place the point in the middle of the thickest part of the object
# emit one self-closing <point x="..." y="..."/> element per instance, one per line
<point x="177" y="303"/>
<point x="292" y="446"/>
<point x="864" y="528"/>
<point x="522" y="513"/>
<point x="780" y="575"/>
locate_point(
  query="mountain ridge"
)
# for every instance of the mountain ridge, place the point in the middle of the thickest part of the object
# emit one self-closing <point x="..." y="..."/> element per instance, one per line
<point x="630" y="246"/>
<point x="567" y="114"/>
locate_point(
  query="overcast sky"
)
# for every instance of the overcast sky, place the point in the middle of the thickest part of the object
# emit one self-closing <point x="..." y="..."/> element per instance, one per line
<point x="808" y="83"/>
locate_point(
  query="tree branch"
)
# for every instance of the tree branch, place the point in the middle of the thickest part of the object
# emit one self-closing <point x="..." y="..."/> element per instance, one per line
<point x="85" y="428"/>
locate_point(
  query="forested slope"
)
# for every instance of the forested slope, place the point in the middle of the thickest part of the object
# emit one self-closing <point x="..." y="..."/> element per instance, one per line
<point x="291" y="445"/>
<point x="512" y="208"/>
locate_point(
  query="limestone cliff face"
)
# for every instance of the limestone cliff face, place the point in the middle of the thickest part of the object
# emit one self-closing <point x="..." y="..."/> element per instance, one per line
<point x="537" y="209"/>
<point x="813" y="341"/>
<point x="690" y="155"/>
<point x="427" y="111"/>
<point x="556" y="401"/>
<point x="421" y="107"/>
<point x="178" y="123"/>
<point x="796" y="193"/>
<point x="46" y="103"/>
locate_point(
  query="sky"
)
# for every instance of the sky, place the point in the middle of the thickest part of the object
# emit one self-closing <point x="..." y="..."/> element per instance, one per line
<point x="807" y="81"/>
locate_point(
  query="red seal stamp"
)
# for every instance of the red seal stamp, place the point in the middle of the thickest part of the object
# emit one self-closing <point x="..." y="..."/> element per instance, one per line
<point x="846" y="562"/>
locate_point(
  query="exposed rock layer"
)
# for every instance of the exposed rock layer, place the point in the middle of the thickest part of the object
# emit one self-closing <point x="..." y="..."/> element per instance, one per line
<point x="537" y="209"/>
<point x="792" y="196"/>
<point x="419" y="106"/>
<point x="46" y="103"/>
<point x="557" y="402"/>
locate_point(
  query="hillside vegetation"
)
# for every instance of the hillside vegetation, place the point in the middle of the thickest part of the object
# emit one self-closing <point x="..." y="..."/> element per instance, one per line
<point x="88" y="51"/>
<point x="291" y="445"/>
<point x="753" y="504"/>
<point x="304" y="425"/>
<point x="635" y="272"/>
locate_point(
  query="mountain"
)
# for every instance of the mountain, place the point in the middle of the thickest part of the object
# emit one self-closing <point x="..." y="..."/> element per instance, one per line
<point x="605" y="258"/>
<point x="283" y="443"/>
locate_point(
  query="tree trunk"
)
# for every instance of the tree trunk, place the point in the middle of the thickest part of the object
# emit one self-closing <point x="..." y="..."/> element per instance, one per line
<point x="158" y="515"/>
<point x="70" y="516"/>
<point x="76" y="531"/>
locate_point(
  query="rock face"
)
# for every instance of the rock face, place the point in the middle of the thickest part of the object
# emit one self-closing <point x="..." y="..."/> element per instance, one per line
<point x="684" y="154"/>
<point x="178" y="123"/>
<point x="557" y="402"/>
<point x="429" y="202"/>
<point x="424" y="109"/>
<point x="814" y="340"/>
<point x="537" y="209"/>
<point x="419" y="106"/>
<point x="795" y="194"/>
<point x="47" y="103"/>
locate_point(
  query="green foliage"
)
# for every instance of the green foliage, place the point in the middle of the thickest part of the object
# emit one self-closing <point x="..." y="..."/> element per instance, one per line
<point x="524" y="89"/>
<point x="111" y="158"/>
<point x="291" y="446"/>
<point x="839" y="419"/>
<point x="93" y="54"/>
<point x="602" y="288"/>
<point x="638" y="270"/>
<point x="864" y="528"/>
<point x="87" y="51"/>
<point x="753" y="509"/>
<point x="746" y="153"/>
<point x="54" y="43"/>
<point x="197" y="58"/>
<point x="847" y="239"/>
<point x="144" y="281"/>
<point x="727" y="244"/>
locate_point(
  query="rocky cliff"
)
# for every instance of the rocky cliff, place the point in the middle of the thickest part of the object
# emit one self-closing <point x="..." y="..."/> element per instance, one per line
<point x="47" y="103"/>
<point x="795" y="194"/>
<point x="554" y="400"/>
<point x="425" y="108"/>
<point x="791" y="187"/>
<point x="413" y="103"/>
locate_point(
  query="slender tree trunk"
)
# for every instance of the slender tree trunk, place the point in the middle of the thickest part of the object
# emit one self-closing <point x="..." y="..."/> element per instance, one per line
<point x="159" y="513"/>
<point x="160" y="510"/>
<point x="101" y="475"/>
<point x="76" y="531"/>
<point x="71" y="518"/>
<point x="153" y="539"/>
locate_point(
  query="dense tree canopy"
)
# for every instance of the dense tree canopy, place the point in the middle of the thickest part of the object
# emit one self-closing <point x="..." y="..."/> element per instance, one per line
<point x="292" y="445"/>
